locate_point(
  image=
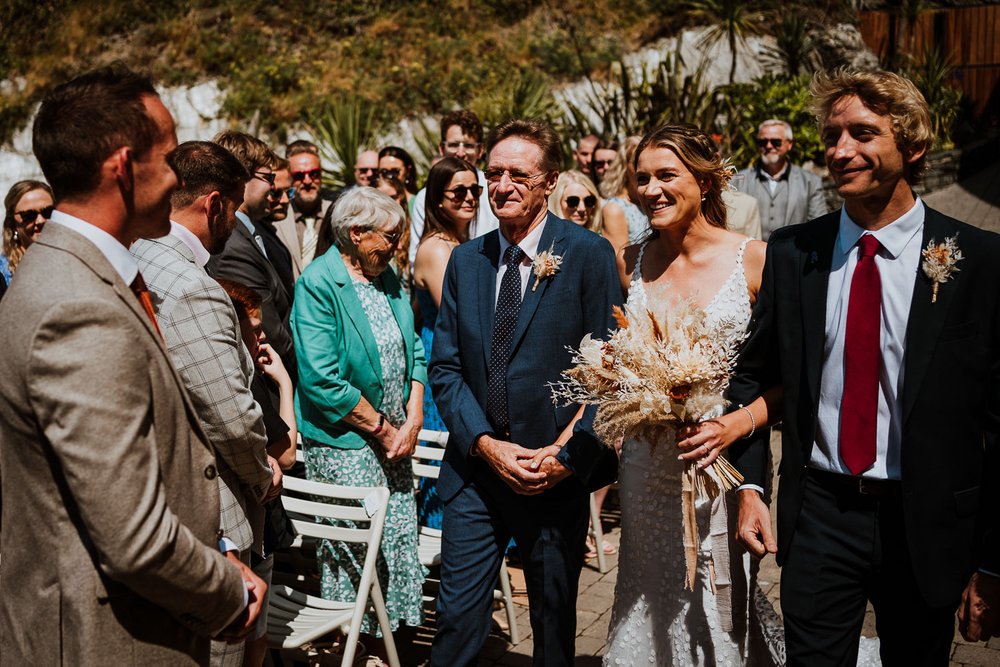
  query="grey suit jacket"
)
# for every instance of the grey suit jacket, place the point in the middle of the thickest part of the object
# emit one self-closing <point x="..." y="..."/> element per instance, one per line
<point x="110" y="503"/>
<point x="288" y="233"/>
<point x="203" y="338"/>
<point x="798" y="198"/>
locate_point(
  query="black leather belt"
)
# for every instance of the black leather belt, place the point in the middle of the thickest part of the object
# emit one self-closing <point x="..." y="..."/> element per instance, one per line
<point x="863" y="486"/>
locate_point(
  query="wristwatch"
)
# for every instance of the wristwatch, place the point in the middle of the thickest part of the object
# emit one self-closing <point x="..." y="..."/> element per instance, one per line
<point x="381" y="423"/>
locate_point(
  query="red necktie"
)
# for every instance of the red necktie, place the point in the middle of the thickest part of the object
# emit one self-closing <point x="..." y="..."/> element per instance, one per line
<point x="142" y="293"/>
<point x="862" y="362"/>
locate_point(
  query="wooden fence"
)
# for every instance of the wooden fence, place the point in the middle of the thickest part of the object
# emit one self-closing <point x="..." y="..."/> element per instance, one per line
<point x="969" y="36"/>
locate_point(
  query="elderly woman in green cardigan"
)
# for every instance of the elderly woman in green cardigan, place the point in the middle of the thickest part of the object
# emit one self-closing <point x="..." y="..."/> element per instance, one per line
<point x="359" y="401"/>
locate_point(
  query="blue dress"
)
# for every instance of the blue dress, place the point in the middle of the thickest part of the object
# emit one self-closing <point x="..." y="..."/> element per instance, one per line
<point x="429" y="505"/>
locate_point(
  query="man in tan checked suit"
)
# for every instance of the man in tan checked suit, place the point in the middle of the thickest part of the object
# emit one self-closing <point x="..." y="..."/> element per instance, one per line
<point x="111" y="533"/>
<point x="202" y="334"/>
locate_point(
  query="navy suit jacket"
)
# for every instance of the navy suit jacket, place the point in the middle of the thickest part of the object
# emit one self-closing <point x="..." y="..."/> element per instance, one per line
<point x="950" y="397"/>
<point x="565" y="307"/>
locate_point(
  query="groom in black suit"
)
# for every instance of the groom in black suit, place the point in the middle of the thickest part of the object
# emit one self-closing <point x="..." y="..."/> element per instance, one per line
<point x="515" y="465"/>
<point x="891" y="376"/>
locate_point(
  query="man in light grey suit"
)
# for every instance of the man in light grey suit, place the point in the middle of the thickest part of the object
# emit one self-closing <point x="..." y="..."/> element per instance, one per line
<point x="787" y="194"/>
<point x="202" y="334"/>
<point x="111" y="533"/>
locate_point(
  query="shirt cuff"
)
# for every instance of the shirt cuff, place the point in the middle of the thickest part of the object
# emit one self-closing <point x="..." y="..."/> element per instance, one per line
<point x="751" y="486"/>
<point x="226" y="545"/>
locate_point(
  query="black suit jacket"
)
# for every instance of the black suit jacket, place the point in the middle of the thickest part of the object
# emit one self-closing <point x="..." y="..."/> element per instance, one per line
<point x="565" y="307"/>
<point x="950" y="398"/>
<point x="242" y="261"/>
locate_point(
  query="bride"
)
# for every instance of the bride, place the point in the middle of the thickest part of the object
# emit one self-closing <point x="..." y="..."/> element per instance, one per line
<point x="689" y="254"/>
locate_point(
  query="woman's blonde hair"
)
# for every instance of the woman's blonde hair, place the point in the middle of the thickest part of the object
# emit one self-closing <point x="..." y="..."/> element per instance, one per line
<point x="701" y="157"/>
<point x="566" y="178"/>
<point x="887" y="94"/>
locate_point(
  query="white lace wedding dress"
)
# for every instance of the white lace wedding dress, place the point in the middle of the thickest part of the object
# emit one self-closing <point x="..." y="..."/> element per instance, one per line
<point x="655" y="620"/>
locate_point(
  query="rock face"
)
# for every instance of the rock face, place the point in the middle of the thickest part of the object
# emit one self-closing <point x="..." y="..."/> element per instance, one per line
<point x="841" y="45"/>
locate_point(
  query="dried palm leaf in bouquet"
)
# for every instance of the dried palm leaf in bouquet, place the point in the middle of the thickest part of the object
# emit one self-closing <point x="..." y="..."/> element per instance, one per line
<point x="660" y="370"/>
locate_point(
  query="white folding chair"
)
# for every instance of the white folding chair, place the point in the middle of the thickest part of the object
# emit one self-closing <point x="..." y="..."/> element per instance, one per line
<point x="295" y="618"/>
<point x="598" y="532"/>
<point x="429" y="541"/>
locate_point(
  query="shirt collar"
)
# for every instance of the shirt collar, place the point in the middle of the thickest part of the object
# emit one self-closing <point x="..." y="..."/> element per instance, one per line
<point x="247" y="222"/>
<point x="187" y="237"/>
<point x="117" y="254"/>
<point x="777" y="177"/>
<point x="528" y="245"/>
<point x="893" y="237"/>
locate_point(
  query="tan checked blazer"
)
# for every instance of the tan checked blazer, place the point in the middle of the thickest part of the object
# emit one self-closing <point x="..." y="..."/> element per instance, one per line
<point x="203" y="339"/>
<point x="110" y="502"/>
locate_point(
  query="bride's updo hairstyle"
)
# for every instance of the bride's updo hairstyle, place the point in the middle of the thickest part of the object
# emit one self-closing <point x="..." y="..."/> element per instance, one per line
<point x="700" y="155"/>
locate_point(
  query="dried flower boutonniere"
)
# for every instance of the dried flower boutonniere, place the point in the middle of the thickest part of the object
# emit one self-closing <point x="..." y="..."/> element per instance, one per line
<point x="939" y="262"/>
<point x="546" y="264"/>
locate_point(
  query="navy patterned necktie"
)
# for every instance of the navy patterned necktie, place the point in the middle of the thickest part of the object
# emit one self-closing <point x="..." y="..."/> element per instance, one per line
<point x="504" y="321"/>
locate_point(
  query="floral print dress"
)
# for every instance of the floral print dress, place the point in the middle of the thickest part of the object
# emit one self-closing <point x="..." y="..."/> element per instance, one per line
<point x="400" y="573"/>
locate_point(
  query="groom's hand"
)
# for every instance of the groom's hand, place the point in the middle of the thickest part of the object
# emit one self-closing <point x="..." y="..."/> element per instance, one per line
<point x="505" y="458"/>
<point x="545" y="461"/>
<point x="979" y="612"/>
<point x="753" y="529"/>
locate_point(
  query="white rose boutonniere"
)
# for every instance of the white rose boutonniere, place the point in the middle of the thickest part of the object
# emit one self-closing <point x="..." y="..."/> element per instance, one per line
<point x="940" y="261"/>
<point x="546" y="264"/>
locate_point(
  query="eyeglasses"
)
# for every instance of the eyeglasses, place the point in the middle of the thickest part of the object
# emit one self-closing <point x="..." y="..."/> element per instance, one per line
<point x="266" y="176"/>
<point x="590" y="201"/>
<point x="494" y="175"/>
<point x="775" y="143"/>
<point x="462" y="191"/>
<point x="313" y="174"/>
<point x="28" y="216"/>
<point x="390" y="173"/>
<point x="365" y="170"/>
<point x="456" y="145"/>
<point x="391" y="239"/>
<point x="601" y="163"/>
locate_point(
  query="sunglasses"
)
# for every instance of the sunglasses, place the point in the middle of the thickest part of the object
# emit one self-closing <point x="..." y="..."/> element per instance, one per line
<point x="775" y="143"/>
<point x="276" y="193"/>
<point x="390" y="173"/>
<point x="462" y="191"/>
<point x="313" y="174"/>
<point x="494" y="176"/>
<point x="590" y="201"/>
<point x="601" y="163"/>
<point x="391" y="239"/>
<point x="266" y="176"/>
<point x="365" y="170"/>
<point x="28" y="216"/>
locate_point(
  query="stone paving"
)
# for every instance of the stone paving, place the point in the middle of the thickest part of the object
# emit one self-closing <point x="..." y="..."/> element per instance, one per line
<point x="976" y="201"/>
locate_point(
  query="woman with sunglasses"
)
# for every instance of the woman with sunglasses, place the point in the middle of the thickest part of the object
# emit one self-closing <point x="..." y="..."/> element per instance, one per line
<point x="576" y="199"/>
<point x="28" y="207"/>
<point x="394" y="162"/>
<point x="623" y="221"/>
<point x="452" y="203"/>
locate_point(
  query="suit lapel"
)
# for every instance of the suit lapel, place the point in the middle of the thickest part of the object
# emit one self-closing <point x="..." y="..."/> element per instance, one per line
<point x="551" y="239"/>
<point x="926" y="319"/>
<point x="815" y="258"/>
<point x="486" y="280"/>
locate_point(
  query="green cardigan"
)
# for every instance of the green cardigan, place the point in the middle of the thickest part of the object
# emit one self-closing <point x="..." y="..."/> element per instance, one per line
<point x="337" y="356"/>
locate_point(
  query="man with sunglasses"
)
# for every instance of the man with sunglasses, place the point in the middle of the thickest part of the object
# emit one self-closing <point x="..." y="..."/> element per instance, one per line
<point x="299" y="231"/>
<point x="787" y="194"/>
<point x="365" y="167"/>
<point x="461" y="137"/>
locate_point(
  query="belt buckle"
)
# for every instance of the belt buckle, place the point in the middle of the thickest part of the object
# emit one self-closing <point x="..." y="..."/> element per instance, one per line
<point x="861" y="487"/>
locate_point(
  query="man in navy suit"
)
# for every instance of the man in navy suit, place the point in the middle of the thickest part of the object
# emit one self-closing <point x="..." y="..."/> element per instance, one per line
<point x="891" y="411"/>
<point x="516" y="465"/>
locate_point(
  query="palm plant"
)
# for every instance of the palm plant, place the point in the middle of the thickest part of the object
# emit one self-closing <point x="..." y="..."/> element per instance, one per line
<point x="525" y="94"/>
<point x="730" y="20"/>
<point x="932" y="75"/>
<point x="341" y="128"/>
<point x="794" y="48"/>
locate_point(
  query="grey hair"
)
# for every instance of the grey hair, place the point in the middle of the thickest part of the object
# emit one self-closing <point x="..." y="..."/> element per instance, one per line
<point x="775" y="121"/>
<point x="363" y="207"/>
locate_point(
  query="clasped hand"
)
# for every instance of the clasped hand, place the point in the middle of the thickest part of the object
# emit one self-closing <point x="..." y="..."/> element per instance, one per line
<point x="399" y="442"/>
<point x="526" y="471"/>
<point x="979" y="611"/>
<point x="238" y="630"/>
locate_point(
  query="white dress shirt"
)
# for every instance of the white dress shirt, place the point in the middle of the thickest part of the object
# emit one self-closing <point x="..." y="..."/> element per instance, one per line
<point x="897" y="261"/>
<point x="529" y="245"/>
<point x="188" y="238"/>
<point x="484" y="222"/>
<point x="772" y="181"/>
<point x="117" y="254"/>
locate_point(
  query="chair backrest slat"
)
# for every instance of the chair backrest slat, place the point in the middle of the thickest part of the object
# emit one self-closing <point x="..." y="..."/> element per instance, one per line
<point x="312" y="508"/>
